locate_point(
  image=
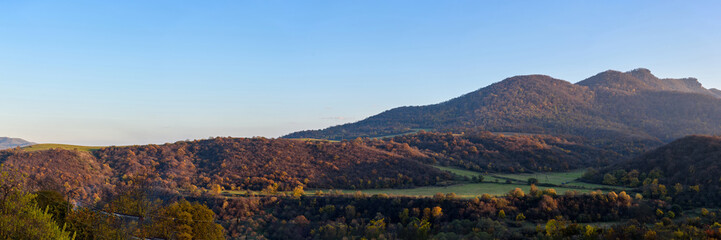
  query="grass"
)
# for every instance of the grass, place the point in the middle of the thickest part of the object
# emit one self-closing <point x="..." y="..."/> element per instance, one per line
<point x="47" y="146"/>
<point x="569" y="179"/>
<point x="463" y="190"/>
<point x="470" y="174"/>
<point x="412" y="131"/>
<point x="556" y="178"/>
<point x="313" y="140"/>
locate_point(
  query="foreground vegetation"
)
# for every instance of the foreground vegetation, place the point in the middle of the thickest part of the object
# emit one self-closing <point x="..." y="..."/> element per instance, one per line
<point x="129" y="214"/>
<point x="538" y="214"/>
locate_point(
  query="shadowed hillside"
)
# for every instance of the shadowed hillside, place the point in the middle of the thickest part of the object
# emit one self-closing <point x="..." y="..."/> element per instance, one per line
<point x="687" y="170"/>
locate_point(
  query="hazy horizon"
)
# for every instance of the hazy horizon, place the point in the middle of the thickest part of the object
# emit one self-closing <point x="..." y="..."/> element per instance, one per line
<point x="136" y="72"/>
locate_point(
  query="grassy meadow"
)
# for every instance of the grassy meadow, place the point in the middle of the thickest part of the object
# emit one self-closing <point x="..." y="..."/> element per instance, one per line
<point x="462" y="190"/>
<point x="47" y="146"/>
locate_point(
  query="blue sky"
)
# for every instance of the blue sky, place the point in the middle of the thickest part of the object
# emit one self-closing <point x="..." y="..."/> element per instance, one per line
<point x="136" y="72"/>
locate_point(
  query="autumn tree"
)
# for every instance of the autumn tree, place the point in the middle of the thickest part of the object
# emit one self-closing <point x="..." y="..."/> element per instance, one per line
<point x="185" y="220"/>
<point x="20" y="217"/>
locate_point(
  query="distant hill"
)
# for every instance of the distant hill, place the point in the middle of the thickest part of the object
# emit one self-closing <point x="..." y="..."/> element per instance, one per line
<point x="687" y="170"/>
<point x="6" y="142"/>
<point x="630" y="107"/>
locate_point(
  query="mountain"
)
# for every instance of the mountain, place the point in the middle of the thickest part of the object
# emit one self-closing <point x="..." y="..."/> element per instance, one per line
<point x="6" y="142"/>
<point x="610" y="107"/>
<point x="641" y="79"/>
<point x="716" y="91"/>
<point x="686" y="169"/>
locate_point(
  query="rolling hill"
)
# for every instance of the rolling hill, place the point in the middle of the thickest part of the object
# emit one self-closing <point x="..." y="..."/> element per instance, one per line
<point x="610" y="107"/>
<point x="232" y="163"/>
<point x="6" y="142"/>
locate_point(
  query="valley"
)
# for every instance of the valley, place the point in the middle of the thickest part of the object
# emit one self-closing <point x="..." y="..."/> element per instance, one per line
<point x="360" y="120"/>
<point x="538" y="162"/>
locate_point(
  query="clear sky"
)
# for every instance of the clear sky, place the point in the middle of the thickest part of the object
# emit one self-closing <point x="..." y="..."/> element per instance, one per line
<point x="137" y="72"/>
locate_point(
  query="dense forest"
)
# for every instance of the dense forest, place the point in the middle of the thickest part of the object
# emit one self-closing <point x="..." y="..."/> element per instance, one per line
<point x="226" y="163"/>
<point x="633" y="108"/>
<point x="539" y="214"/>
<point x="685" y="171"/>
<point x="141" y="210"/>
<point x="259" y="163"/>
<point x="488" y="152"/>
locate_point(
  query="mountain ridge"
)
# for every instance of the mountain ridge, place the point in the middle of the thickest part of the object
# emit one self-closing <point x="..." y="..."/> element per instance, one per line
<point x="635" y="106"/>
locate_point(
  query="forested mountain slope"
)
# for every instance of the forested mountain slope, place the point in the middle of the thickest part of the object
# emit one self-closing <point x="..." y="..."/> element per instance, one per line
<point x="632" y="107"/>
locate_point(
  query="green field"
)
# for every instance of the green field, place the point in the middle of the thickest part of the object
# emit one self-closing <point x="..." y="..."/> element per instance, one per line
<point x="46" y="146"/>
<point x="412" y="131"/>
<point x="470" y="174"/>
<point x="313" y="140"/>
<point x="560" y="179"/>
<point x="556" y="178"/>
<point x="463" y="190"/>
